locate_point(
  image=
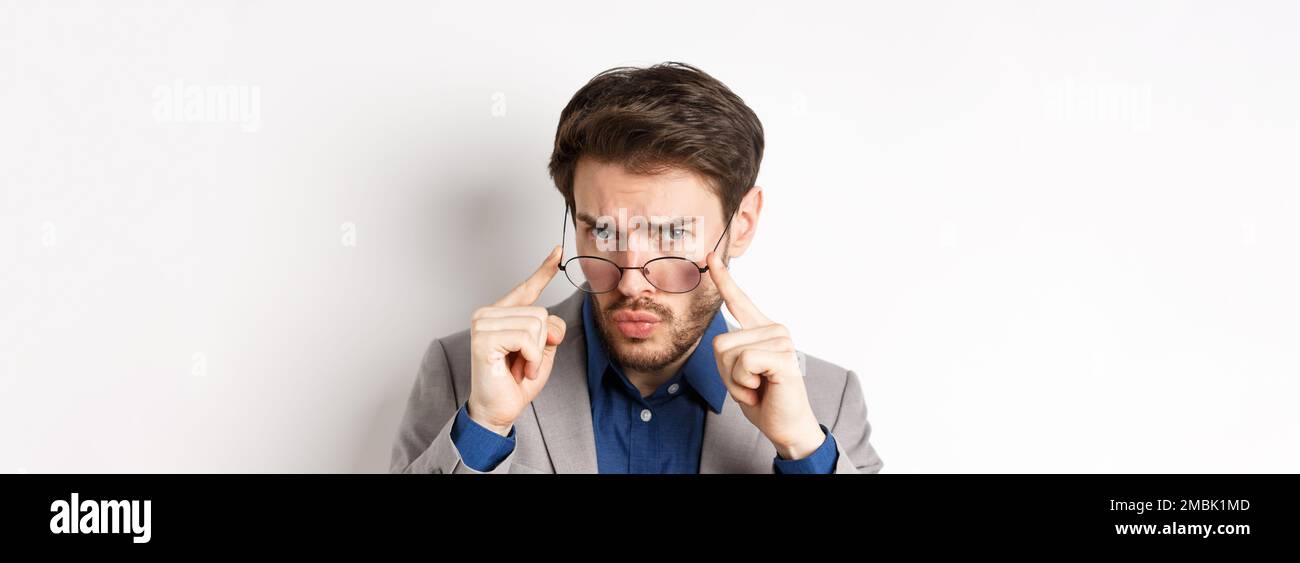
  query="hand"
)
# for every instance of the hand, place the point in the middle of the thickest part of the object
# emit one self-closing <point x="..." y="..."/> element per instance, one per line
<point x="512" y="348"/>
<point x="760" y="368"/>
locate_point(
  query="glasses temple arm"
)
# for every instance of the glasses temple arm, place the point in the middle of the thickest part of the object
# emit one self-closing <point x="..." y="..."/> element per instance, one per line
<point x="717" y="244"/>
<point x="564" y="233"/>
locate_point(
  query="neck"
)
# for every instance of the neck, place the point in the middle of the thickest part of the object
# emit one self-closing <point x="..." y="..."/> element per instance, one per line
<point x="646" y="381"/>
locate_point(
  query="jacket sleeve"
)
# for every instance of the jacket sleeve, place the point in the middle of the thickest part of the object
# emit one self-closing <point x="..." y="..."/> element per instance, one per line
<point x="821" y="461"/>
<point x="424" y="443"/>
<point x="479" y="447"/>
<point x="852" y="431"/>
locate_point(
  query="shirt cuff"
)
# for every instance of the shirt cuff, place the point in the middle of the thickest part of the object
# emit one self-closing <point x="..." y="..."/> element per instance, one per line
<point x="480" y="448"/>
<point x="821" y="461"/>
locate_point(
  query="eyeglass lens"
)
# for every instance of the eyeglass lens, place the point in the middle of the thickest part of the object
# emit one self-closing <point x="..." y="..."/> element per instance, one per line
<point x="669" y="273"/>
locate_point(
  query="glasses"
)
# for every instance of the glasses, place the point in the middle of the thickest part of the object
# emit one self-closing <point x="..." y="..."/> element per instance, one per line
<point x="671" y="274"/>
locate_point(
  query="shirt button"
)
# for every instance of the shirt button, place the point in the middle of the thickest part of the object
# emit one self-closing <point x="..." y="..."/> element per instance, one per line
<point x="673" y="388"/>
<point x="645" y="415"/>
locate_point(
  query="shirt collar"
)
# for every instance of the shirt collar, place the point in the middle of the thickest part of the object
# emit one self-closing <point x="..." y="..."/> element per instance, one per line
<point x="700" y="369"/>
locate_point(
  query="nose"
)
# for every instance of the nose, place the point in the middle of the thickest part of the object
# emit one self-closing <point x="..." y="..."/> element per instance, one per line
<point x="634" y="284"/>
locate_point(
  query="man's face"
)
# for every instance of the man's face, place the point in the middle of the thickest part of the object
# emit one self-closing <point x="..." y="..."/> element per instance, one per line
<point x="630" y="219"/>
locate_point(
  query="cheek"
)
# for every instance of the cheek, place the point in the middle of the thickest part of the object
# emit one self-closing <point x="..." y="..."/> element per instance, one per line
<point x="680" y="305"/>
<point x="705" y="301"/>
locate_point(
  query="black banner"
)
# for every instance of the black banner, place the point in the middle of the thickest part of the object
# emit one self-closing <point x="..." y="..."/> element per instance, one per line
<point x="146" y="513"/>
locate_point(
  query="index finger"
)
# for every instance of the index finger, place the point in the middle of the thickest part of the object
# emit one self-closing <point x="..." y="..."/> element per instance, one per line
<point x="746" y="313"/>
<point x="526" y="293"/>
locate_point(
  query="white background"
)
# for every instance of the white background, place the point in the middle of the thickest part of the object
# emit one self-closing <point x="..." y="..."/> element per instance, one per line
<point x="1050" y="236"/>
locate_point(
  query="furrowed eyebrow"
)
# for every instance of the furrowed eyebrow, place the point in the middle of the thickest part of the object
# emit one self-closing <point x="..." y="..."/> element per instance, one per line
<point x="687" y="222"/>
<point x="683" y="222"/>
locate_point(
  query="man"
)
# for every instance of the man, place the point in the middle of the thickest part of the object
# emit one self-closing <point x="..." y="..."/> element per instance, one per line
<point x="637" y="371"/>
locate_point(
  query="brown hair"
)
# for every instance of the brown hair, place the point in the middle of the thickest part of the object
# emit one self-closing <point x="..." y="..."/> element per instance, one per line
<point x="670" y="115"/>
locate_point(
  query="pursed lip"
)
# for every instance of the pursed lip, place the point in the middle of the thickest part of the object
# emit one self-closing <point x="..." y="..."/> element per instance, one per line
<point x="635" y="317"/>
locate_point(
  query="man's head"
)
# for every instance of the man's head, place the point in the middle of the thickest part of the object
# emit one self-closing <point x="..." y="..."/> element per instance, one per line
<point x="669" y="147"/>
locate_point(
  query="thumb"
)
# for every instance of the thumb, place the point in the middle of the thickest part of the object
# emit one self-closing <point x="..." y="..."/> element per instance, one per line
<point x="555" y="329"/>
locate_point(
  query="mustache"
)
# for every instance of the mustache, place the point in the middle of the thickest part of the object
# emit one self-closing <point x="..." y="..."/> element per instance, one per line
<point x="640" y="304"/>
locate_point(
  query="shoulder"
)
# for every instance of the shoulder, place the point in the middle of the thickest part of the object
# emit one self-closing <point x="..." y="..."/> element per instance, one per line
<point x="826" y="383"/>
<point x="451" y="346"/>
<point x="822" y="372"/>
<point x="446" y="362"/>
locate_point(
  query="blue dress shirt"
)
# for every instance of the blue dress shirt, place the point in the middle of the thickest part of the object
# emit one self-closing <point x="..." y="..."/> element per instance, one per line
<point x="660" y="433"/>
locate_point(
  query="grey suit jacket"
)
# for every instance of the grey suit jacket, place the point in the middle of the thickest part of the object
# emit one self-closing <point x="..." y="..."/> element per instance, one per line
<point x="555" y="435"/>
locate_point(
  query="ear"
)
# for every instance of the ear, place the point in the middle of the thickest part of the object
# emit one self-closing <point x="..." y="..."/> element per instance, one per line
<point x="745" y="223"/>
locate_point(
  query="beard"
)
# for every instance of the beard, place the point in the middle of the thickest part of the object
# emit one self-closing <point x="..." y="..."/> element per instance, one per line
<point x="682" y="333"/>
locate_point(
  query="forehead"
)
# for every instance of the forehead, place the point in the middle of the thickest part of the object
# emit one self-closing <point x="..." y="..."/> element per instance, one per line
<point x="604" y="188"/>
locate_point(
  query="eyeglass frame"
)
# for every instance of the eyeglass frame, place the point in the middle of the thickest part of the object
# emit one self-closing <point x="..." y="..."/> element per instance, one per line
<point x="642" y="268"/>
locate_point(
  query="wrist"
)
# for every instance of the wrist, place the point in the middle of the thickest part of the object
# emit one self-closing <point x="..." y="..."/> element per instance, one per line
<point x="502" y="428"/>
<point x="802" y="445"/>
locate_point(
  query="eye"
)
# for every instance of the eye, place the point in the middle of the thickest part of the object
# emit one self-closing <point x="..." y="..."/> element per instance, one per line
<point x="602" y="233"/>
<point x="676" y="233"/>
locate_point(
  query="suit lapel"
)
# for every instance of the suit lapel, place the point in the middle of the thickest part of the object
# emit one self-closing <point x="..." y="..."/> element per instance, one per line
<point x="732" y="444"/>
<point x="730" y="441"/>
<point x="563" y="407"/>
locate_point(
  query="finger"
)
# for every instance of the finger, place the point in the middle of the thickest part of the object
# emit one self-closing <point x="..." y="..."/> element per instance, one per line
<point x="493" y="324"/>
<point x="746" y="313"/>
<point x="727" y="358"/>
<point x="747" y="397"/>
<point x="493" y="311"/>
<point x="740" y="338"/>
<point x="554" y="336"/>
<point x="752" y="365"/>
<point x="727" y="344"/>
<point x="522" y="342"/>
<point x="551" y="339"/>
<point x="519" y="369"/>
<point x="538" y="313"/>
<point x="743" y="395"/>
<point x="533" y="325"/>
<point x="555" y="330"/>
<point x="528" y="292"/>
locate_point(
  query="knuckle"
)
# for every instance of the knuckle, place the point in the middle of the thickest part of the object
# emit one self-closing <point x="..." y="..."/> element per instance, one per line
<point x="518" y="335"/>
<point x="479" y="344"/>
<point x="723" y="356"/>
<point x="746" y="357"/>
